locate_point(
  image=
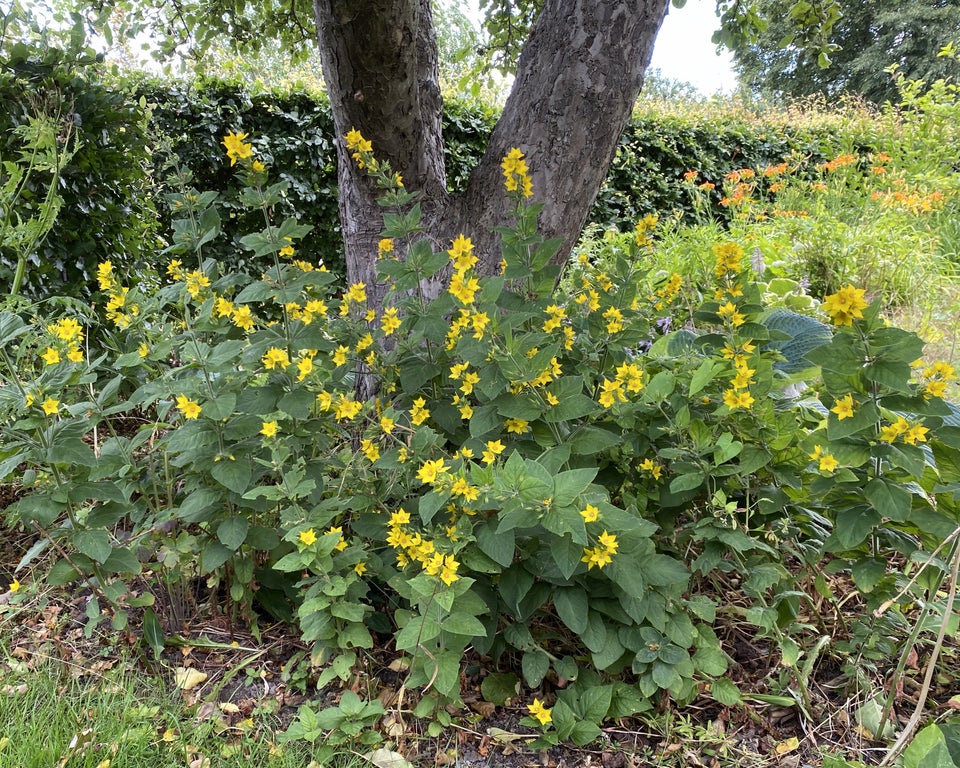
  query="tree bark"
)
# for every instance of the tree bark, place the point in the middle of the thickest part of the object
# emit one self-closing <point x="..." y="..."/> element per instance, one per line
<point x="576" y="83"/>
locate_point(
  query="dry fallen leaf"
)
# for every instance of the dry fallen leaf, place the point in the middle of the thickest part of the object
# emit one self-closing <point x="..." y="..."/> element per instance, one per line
<point x="386" y="758"/>
<point x="789" y="745"/>
<point x="187" y="679"/>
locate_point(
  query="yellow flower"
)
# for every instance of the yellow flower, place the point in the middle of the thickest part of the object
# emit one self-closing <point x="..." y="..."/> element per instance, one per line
<point x="75" y="355"/>
<point x="464" y="289"/>
<point x="389" y="322"/>
<point x="916" y="434"/>
<point x="325" y="400"/>
<point x="384" y="247"/>
<point x="734" y="399"/>
<point x="448" y="571"/>
<point x="494" y="449"/>
<point x="843" y="407"/>
<point x="608" y="541"/>
<point x="517" y="426"/>
<point x="340" y="355"/>
<point x="590" y="514"/>
<point x="196" y="281"/>
<point x="419" y="413"/>
<point x="614" y="319"/>
<point x="539" y="712"/>
<point x="346" y="409"/>
<point x="649" y="465"/>
<point x="243" y="318"/>
<point x="891" y="432"/>
<point x="398" y="518"/>
<point x="50" y="406"/>
<point x="357" y="293"/>
<point x="275" y="357"/>
<point x="307" y="537"/>
<point x="66" y="329"/>
<point x="846" y="305"/>
<point x="237" y="149"/>
<point x="14" y="586"/>
<point x="469" y="380"/>
<point x="304" y="367"/>
<point x="431" y="471"/>
<point x="269" y="429"/>
<point x="370" y="450"/>
<point x="189" y="408"/>
<point x="462" y="488"/>
<point x="387" y="424"/>
<point x="729" y="311"/>
<point x="461" y="254"/>
<point x="596" y="556"/>
<point x="827" y="462"/>
<point x="51" y="356"/>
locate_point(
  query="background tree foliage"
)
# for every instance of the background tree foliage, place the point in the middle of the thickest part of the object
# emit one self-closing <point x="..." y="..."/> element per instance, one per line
<point x="869" y="37"/>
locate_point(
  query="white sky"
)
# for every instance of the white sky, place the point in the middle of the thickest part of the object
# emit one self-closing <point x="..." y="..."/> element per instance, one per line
<point x="684" y="52"/>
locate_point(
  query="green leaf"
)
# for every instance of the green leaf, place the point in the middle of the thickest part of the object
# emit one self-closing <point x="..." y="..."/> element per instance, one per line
<point x="500" y="687"/>
<point x="888" y="498"/>
<point x="928" y="750"/>
<point x="213" y="556"/>
<point x="567" y="486"/>
<point x="567" y="553"/>
<point x="725" y="691"/>
<point x="572" y="607"/>
<point x="232" y="473"/>
<point x="461" y="623"/>
<point x="499" y="546"/>
<point x="687" y="482"/>
<point x="94" y="544"/>
<point x="153" y="632"/>
<point x="702" y="376"/>
<point x="852" y="527"/>
<point x="591" y="439"/>
<point x="232" y="532"/>
<point x="535" y="665"/>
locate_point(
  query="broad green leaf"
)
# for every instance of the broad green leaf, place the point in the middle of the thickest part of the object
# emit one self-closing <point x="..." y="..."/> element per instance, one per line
<point x="572" y="607"/>
<point x="232" y="473"/>
<point x="232" y="532"/>
<point x="888" y="498"/>
<point x="94" y="544"/>
<point x="535" y="665"/>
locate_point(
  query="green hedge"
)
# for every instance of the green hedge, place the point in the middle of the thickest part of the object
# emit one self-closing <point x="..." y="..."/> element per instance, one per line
<point x="107" y="210"/>
<point x="111" y="185"/>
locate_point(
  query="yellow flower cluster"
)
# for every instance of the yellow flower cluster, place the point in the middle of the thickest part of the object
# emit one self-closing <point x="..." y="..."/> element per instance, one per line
<point x="466" y="319"/>
<point x="68" y="332"/>
<point x="643" y="231"/>
<point x="119" y="310"/>
<point x="911" y="433"/>
<point x="935" y="378"/>
<point x="516" y="175"/>
<point x="601" y="554"/>
<point x="463" y="284"/>
<point x="846" y="305"/>
<point x="629" y="378"/>
<point x="540" y="713"/>
<point x="237" y="148"/>
<point x="826" y="461"/>
<point x="361" y="150"/>
<point x="412" y="547"/>
<point x="729" y="259"/>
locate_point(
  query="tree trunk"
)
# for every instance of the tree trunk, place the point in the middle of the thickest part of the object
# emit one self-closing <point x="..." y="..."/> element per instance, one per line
<point x="577" y="80"/>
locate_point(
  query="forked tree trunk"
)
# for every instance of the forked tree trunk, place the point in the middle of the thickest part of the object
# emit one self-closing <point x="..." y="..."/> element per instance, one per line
<point x="576" y="82"/>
